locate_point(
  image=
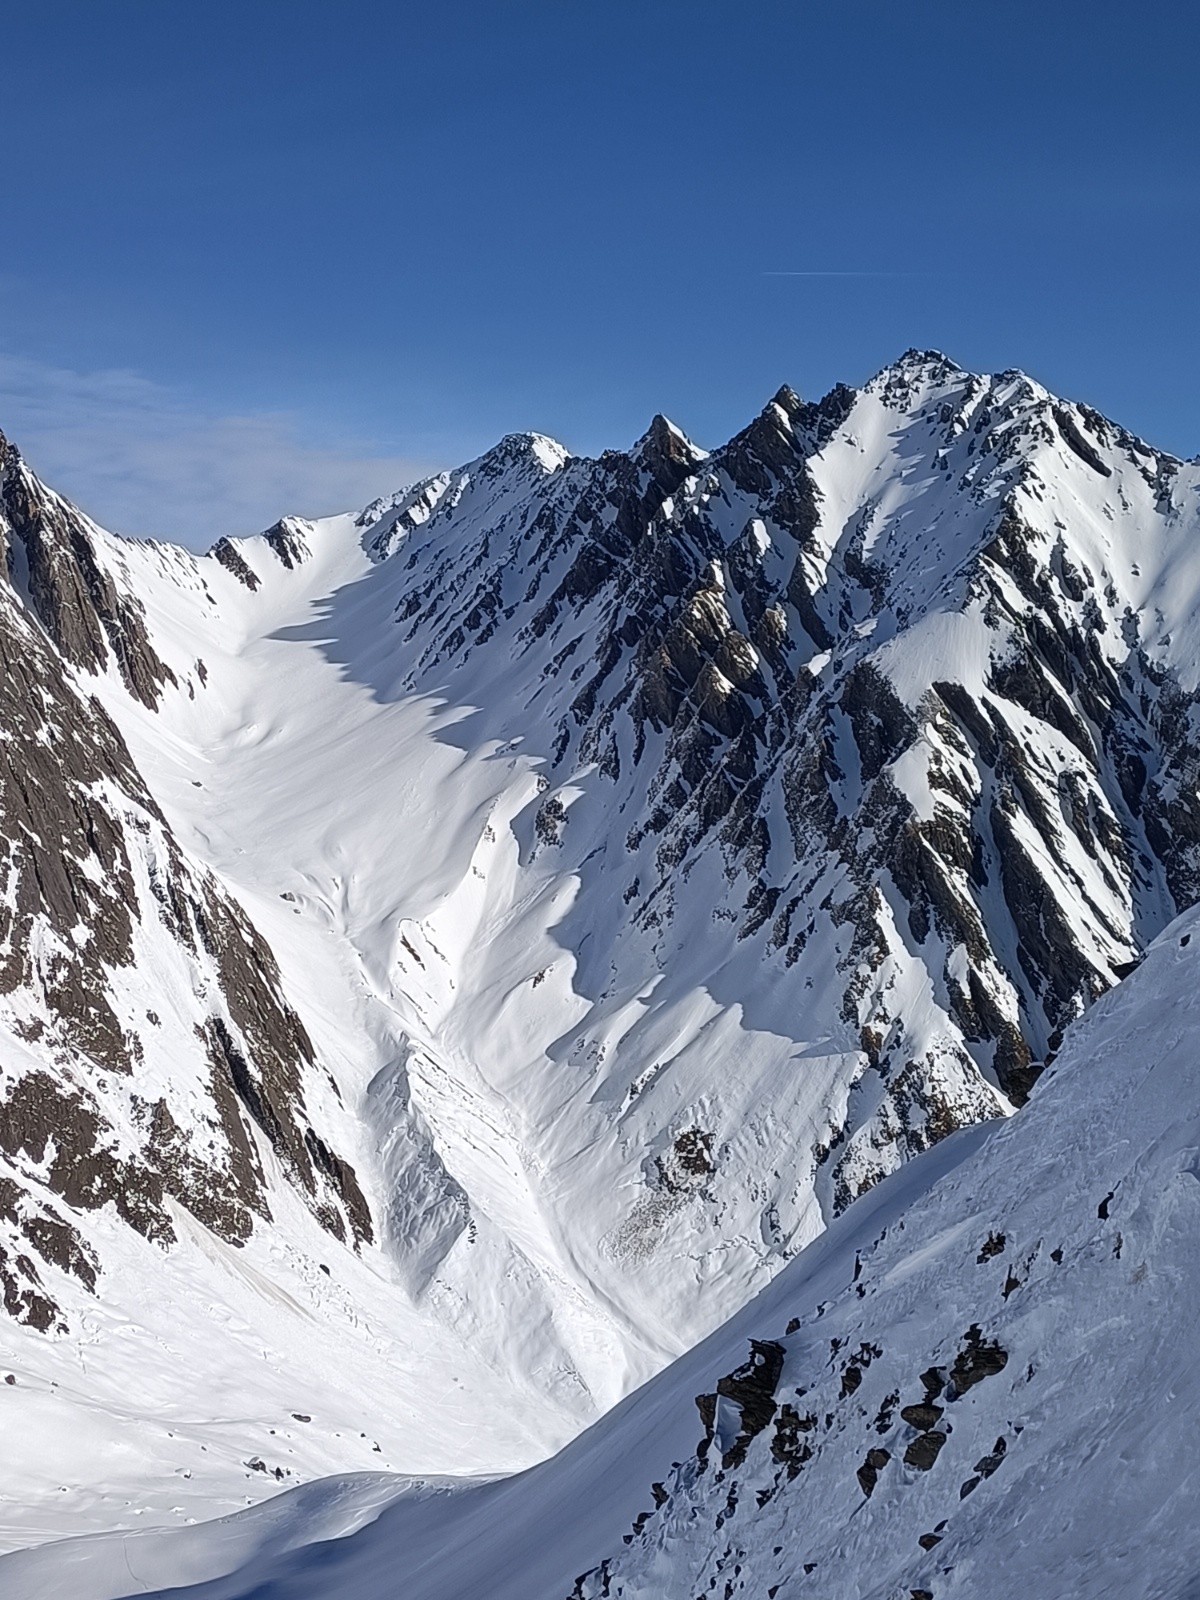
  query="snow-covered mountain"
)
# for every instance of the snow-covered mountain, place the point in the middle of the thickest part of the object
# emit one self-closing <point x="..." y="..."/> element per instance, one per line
<point x="452" y="957"/>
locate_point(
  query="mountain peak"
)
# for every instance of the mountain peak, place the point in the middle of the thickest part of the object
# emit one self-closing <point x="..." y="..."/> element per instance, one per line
<point x="664" y="440"/>
<point x="913" y="371"/>
<point x="666" y="453"/>
<point x="536" y="450"/>
<point x="786" y="398"/>
<point x="920" y="360"/>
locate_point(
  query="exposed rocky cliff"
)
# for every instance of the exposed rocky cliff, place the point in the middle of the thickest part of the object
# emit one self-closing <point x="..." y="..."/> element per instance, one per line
<point x="149" y="1034"/>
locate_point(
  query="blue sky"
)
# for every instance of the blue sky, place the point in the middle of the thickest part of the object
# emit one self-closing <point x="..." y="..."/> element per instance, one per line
<point x="282" y="254"/>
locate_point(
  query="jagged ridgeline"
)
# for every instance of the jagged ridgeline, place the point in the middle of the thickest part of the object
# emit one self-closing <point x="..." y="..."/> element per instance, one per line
<point x="816" y="783"/>
<point x="900" y="658"/>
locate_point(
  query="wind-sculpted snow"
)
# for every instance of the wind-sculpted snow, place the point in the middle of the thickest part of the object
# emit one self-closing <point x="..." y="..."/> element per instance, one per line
<point x="618" y="867"/>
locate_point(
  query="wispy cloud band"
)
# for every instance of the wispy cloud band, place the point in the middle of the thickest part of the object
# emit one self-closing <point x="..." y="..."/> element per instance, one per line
<point x="144" y="459"/>
<point x="788" y="273"/>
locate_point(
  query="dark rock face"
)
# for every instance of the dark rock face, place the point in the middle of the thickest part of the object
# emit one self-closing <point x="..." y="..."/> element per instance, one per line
<point x="29" y="1225"/>
<point x="41" y="1119"/>
<point x="924" y="1416"/>
<point x="751" y="1388"/>
<point x="63" y="855"/>
<point x="924" y="1450"/>
<point x="227" y="554"/>
<point x="1075" y="438"/>
<point x="75" y="599"/>
<point x="286" y="540"/>
<point x="22" y="1295"/>
<point x="56" y="1241"/>
<point x="791" y="1446"/>
<point x="868" y="1473"/>
<point x="979" y="1358"/>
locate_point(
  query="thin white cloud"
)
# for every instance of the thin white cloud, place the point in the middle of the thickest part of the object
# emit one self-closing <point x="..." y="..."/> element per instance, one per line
<point x="787" y="273"/>
<point x="143" y="459"/>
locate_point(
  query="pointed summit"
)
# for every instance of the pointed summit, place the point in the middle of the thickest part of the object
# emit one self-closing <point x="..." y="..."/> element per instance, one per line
<point x="915" y="367"/>
<point x="905" y="382"/>
<point x="664" y="440"/>
<point x="786" y="398"/>
<point x="786" y="428"/>
<point x="914" y="359"/>
<point x="667" y="453"/>
<point x="523" y="450"/>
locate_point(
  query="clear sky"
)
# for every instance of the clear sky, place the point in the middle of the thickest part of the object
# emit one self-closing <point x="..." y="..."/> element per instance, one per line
<point x="283" y="254"/>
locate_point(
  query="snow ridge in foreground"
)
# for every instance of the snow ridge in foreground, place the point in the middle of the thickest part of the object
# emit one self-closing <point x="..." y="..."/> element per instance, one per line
<point x="987" y="1386"/>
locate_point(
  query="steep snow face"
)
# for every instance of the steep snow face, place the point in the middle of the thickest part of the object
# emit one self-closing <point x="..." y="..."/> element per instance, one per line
<point x="651" y="852"/>
<point x="980" y="1380"/>
<point x="1000" y="1397"/>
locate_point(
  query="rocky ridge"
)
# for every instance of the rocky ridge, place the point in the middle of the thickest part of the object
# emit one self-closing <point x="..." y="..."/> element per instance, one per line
<point x="929" y="720"/>
<point x="99" y="900"/>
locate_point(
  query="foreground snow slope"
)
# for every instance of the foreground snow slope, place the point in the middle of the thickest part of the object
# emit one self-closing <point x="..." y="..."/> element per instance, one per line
<point x="523" y="1536"/>
<point x="453" y="957"/>
<point x="990" y="1356"/>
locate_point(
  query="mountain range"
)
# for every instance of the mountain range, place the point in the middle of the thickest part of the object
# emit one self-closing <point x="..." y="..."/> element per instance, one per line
<point x="462" y="959"/>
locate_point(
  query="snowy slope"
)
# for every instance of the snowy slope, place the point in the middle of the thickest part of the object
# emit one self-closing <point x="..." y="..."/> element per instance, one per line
<point x="195" y="1313"/>
<point x="639" y="857"/>
<point x="982" y="1382"/>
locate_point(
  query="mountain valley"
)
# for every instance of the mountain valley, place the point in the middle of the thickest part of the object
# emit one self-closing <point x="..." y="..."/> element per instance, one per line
<point x="465" y="961"/>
